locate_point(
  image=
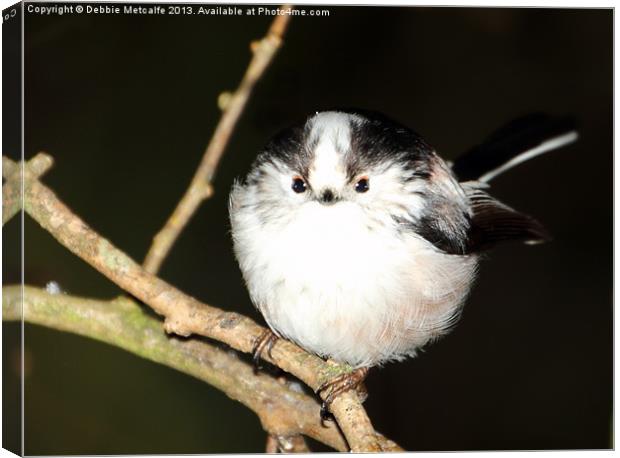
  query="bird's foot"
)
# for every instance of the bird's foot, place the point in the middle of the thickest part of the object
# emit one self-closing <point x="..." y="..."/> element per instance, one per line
<point x="333" y="388"/>
<point x="265" y="341"/>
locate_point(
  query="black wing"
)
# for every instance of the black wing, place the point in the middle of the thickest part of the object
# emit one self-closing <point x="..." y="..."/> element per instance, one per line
<point x="493" y="222"/>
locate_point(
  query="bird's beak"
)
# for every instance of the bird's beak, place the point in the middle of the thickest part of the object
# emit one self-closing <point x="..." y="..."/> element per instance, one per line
<point x="328" y="197"/>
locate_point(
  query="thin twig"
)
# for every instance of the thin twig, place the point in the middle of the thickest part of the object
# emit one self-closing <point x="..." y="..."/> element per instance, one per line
<point x="122" y="322"/>
<point x="184" y="315"/>
<point x="200" y="187"/>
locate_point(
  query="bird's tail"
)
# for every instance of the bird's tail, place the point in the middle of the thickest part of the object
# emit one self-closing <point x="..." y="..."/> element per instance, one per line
<point x="516" y="142"/>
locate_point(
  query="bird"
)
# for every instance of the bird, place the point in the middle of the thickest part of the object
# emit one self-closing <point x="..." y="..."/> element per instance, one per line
<point x="360" y="244"/>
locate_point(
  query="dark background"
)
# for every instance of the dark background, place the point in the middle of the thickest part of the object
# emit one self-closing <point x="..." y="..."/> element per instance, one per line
<point x="126" y="105"/>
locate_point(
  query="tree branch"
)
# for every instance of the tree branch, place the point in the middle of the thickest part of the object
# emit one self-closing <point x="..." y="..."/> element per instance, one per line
<point x="11" y="200"/>
<point x="284" y="444"/>
<point x="184" y="315"/>
<point x="200" y="187"/>
<point x="121" y="322"/>
<point x="12" y="190"/>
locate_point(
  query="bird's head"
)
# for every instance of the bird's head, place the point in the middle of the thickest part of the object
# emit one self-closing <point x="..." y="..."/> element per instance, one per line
<point x="347" y="158"/>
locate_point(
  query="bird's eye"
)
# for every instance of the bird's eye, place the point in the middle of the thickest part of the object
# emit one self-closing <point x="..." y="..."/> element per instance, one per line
<point x="299" y="185"/>
<point x="362" y="185"/>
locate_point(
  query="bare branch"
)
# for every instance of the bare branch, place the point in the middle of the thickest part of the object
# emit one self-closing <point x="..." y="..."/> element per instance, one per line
<point x="11" y="191"/>
<point x="272" y="445"/>
<point x="9" y="167"/>
<point x="286" y="444"/>
<point x="11" y="200"/>
<point x="39" y="164"/>
<point x="121" y="322"/>
<point x="200" y="187"/>
<point x="184" y="315"/>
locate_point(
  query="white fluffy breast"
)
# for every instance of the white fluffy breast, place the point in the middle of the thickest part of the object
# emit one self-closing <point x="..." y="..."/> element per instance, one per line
<point x="344" y="285"/>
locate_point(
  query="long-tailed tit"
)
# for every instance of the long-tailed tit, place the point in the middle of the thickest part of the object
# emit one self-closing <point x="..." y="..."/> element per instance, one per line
<point x="360" y="244"/>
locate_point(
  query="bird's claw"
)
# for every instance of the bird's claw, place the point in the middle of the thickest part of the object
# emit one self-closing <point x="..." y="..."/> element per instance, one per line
<point x="333" y="388"/>
<point x="325" y="413"/>
<point x="266" y="340"/>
